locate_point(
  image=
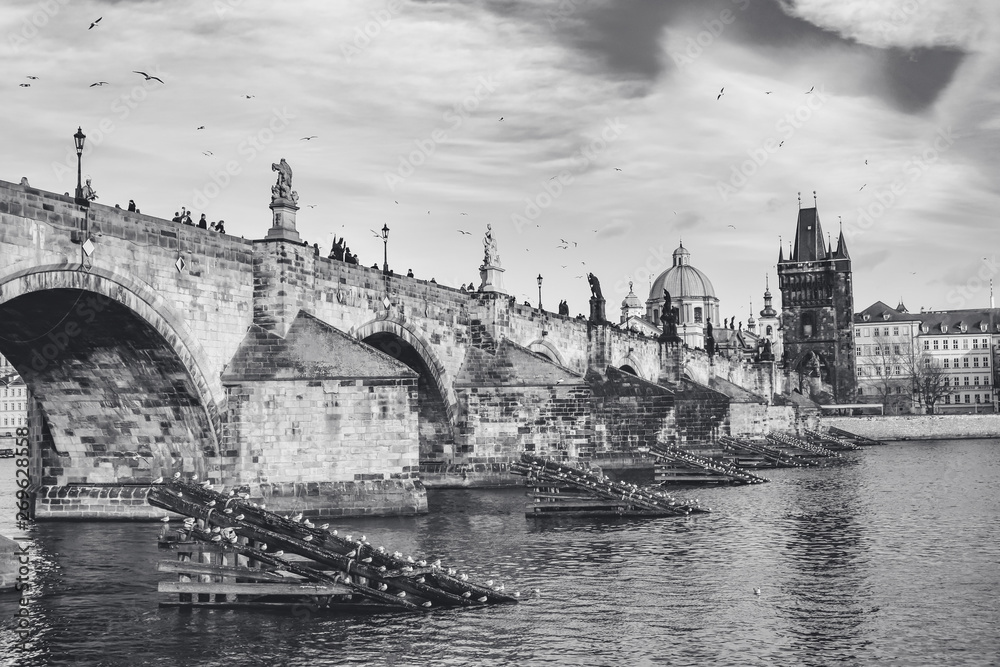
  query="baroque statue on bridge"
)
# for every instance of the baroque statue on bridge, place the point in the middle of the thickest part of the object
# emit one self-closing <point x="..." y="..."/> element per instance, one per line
<point x="282" y="190"/>
<point x="595" y="286"/>
<point x="490" y="255"/>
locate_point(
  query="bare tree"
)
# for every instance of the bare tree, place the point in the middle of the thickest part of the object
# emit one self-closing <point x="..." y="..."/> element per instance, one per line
<point x="893" y="378"/>
<point x="929" y="381"/>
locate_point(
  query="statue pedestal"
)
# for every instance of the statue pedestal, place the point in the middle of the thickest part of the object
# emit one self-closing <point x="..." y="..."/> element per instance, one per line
<point x="492" y="279"/>
<point x="283" y="224"/>
<point x="597" y="310"/>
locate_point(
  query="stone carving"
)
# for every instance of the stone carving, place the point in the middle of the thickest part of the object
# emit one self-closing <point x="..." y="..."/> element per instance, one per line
<point x="490" y="255"/>
<point x="709" y="339"/>
<point x="282" y="190"/>
<point x="595" y="286"/>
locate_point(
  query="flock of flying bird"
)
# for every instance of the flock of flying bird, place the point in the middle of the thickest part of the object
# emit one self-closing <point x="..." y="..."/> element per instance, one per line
<point x="564" y="244"/>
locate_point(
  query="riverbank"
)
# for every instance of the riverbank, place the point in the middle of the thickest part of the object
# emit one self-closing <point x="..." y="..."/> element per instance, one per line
<point x="919" y="427"/>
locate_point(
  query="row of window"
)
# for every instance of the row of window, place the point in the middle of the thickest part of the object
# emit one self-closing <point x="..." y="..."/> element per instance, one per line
<point x="11" y="420"/>
<point x="968" y="399"/>
<point x="16" y="391"/>
<point x="965" y="362"/>
<point x="874" y="331"/>
<point x="878" y="350"/>
<point x="979" y="398"/>
<point x="933" y="344"/>
<point x="977" y="380"/>
<point x="13" y="406"/>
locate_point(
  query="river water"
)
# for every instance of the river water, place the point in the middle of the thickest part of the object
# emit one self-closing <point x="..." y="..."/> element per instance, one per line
<point x="892" y="559"/>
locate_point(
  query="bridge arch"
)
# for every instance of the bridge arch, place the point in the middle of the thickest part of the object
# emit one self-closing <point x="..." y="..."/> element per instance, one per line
<point x="438" y="405"/>
<point x="632" y="365"/>
<point x="547" y="350"/>
<point x="135" y="384"/>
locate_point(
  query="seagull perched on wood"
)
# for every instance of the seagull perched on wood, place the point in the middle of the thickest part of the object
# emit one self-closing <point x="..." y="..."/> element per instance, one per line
<point x="148" y="77"/>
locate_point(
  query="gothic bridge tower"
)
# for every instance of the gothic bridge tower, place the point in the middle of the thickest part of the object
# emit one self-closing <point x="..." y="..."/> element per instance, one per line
<point x="817" y="307"/>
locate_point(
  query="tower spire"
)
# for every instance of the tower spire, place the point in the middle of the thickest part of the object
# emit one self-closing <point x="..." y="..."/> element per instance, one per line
<point x="800" y="199"/>
<point x="815" y="202"/>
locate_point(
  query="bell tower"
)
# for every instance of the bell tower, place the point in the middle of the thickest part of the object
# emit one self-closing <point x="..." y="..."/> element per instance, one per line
<point x="817" y="307"/>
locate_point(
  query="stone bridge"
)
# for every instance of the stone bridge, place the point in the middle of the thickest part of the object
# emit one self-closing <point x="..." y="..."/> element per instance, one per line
<point x="152" y="348"/>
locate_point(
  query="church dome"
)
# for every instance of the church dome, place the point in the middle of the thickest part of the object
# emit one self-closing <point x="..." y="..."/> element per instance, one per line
<point x="631" y="300"/>
<point x="682" y="279"/>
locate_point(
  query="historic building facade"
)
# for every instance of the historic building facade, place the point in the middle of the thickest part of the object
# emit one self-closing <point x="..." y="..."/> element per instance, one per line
<point x="817" y="304"/>
<point x="902" y="357"/>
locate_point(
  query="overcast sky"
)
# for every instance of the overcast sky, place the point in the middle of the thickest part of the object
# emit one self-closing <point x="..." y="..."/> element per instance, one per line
<point x="613" y="135"/>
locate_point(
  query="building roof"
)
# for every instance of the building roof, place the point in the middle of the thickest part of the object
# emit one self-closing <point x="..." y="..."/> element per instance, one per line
<point x="969" y="321"/>
<point x="681" y="280"/>
<point x="809" y="245"/>
<point x="974" y="321"/>
<point x="881" y="312"/>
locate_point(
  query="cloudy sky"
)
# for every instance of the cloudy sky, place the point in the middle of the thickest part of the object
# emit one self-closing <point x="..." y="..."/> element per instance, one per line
<point x="594" y="122"/>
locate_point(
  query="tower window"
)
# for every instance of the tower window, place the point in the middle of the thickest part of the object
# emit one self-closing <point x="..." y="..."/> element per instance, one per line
<point x="697" y="315"/>
<point x="807" y="325"/>
<point x="769" y="331"/>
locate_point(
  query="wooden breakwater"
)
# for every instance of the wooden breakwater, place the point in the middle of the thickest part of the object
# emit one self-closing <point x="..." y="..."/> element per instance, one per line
<point x="558" y="489"/>
<point x="231" y="552"/>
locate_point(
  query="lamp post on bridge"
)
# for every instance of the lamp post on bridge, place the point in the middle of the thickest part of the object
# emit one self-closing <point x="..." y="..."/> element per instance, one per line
<point x="79" y="138"/>
<point x="539" y="291"/>
<point x="385" y="249"/>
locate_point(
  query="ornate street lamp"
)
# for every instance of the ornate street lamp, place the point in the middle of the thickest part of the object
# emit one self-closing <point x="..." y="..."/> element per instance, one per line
<point x="539" y="291"/>
<point x="385" y="249"/>
<point x="79" y="138"/>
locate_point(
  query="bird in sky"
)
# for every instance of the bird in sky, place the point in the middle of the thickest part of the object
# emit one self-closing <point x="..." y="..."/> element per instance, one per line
<point x="249" y="96"/>
<point x="722" y="91"/>
<point x="148" y="77"/>
<point x="31" y="77"/>
<point x="309" y="138"/>
<point x="810" y="90"/>
<point x="95" y="23"/>
<point x="733" y="226"/>
<point x="617" y="169"/>
<point x="377" y="235"/>
<point x="465" y="232"/>
<point x="866" y="161"/>
<point x="862" y="187"/>
<point x="24" y="85"/>
<point x="501" y="118"/>
<point x="200" y="127"/>
<point x="310" y="205"/>
<point x="207" y="153"/>
<point x="99" y="83"/>
<point x="564" y="265"/>
<point x="395" y="200"/>
<point x="463" y="214"/>
<point x="768" y="92"/>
